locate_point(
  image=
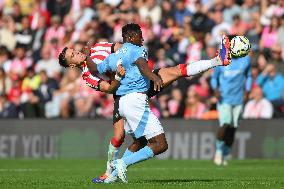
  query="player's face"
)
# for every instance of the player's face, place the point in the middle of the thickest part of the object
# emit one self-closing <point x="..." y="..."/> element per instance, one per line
<point x="74" y="58"/>
<point x="137" y="39"/>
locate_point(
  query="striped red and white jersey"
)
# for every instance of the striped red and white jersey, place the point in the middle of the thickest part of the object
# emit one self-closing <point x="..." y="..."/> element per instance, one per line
<point x="91" y="80"/>
<point x="99" y="52"/>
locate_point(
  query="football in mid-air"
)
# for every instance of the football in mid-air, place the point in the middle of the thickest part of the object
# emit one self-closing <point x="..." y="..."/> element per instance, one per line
<point x="240" y="46"/>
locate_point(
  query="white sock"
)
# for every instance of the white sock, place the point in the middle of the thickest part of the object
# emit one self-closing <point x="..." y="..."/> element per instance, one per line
<point x="200" y="66"/>
<point x="112" y="155"/>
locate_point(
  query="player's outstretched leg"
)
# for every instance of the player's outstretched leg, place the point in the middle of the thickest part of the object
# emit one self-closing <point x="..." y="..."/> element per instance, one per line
<point x="156" y="145"/>
<point x="223" y="58"/>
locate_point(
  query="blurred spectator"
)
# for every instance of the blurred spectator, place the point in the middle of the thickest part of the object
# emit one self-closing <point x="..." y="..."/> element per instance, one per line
<point x="82" y="16"/>
<point x="55" y="31"/>
<point x="21" y="62"/>
<point x="5" y="82"/>
<point x="254" y="32"/>
<point x="258" y="107"/>
<point x="194" y="109"/>
<point x="238" y="26"/>
<point x="167" y="11"/>
<point x="220" y="28"/>
<point x="152" y="10"/>
<point x="37" y="13"/>
<point x="181" y="12"/>
<point x="276" y="58"/>
<point x="272" y="84"/>
<point x="106" y="107"/>
<point x="7" y="109"/>
<point x="269" y="34"/>
<point x="16" y="13"/>
<point x="231" y="9"/>
<point x="14" y="94"/>
<point x="58" y="7"/>
<point x="38" y="38"/>
<point x="7" y="29"/>
<point x="24" y="35"/>
<point x="248" y="8"/>
<point x="280" y="32"/>
<point x="175" y="104"/>
<point x="163" y="60"/>
<point x="48" y="64"/>
<point x="5" y="62"/>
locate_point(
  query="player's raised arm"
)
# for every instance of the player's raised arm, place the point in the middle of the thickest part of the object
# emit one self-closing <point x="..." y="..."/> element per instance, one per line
<point x="145" y="71"/>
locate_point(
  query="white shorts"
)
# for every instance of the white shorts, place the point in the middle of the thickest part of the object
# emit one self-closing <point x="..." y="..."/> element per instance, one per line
<point x="139" y="119"/>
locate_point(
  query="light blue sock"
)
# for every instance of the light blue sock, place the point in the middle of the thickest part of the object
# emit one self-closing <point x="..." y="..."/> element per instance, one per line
<point x="219" y="146"/>
<point x="141" y="155"/>
<point x="127" y="153"/>
<point x="226" y="150"/>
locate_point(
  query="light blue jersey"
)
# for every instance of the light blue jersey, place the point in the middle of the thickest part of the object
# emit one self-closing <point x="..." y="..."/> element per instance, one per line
<point x="133" y="80"/>
<point x="232" y="80"/>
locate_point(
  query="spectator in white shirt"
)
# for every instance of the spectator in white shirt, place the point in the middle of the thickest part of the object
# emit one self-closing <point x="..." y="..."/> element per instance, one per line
<point x="258" y="107"/>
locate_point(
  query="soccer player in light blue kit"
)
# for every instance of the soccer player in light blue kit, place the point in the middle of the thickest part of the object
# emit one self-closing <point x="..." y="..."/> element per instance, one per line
<point x="131" y="101"/>
<point x="231" y="84"/>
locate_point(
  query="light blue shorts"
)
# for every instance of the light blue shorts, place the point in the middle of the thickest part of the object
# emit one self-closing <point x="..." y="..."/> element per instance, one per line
<point x="229" y="114"/>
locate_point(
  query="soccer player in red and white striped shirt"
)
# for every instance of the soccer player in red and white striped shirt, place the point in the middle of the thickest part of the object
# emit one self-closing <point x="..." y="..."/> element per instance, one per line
<point x="72" y="58"/>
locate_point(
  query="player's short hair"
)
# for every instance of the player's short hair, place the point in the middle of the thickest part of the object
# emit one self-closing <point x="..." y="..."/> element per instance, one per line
<point x="129" y="29"/>
<point x="61" y="58"/>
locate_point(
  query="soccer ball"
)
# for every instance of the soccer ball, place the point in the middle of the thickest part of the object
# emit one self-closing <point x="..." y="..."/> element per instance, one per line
<point x="240" y="46"/>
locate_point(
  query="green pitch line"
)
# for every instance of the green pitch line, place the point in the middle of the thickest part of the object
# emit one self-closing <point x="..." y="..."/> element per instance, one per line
<point x="154" y="174"/>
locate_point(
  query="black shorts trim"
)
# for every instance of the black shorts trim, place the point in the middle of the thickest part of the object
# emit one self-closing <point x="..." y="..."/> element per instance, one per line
<point x="151" y="92"/>
<point x="116" y="116"/>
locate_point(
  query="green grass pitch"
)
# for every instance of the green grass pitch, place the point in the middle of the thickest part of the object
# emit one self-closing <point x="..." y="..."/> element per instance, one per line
<point x="153" y="174"/>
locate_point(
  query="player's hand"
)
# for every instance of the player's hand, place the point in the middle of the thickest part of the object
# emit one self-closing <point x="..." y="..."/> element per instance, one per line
<point x="120" y="71"/>
<point x="158" y="83"/>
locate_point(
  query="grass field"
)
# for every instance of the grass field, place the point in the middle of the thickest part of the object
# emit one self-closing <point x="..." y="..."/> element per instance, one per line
<point x="154" y="174"/>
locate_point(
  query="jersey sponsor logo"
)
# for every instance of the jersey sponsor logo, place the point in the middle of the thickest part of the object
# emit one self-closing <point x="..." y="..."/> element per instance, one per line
<point x="232" y="73"/>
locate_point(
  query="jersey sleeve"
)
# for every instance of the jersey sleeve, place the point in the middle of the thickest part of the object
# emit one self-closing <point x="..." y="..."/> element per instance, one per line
<point x="104" y="66"/>
<point x="91" y="81"/>
<point x="140" y="53"/>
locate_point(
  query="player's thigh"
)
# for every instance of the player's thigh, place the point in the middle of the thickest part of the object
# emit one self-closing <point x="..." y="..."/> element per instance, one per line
<point x="152" y="128"/>
<point x="237" y="111"/>
<point x="140" y="119"/>
<point x="134" y="108"/>
<point x="225" y="113"/>
<point x="169" y="75"/>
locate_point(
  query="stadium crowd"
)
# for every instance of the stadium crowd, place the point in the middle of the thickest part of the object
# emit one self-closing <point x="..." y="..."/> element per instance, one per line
<point x="32" y="34"/>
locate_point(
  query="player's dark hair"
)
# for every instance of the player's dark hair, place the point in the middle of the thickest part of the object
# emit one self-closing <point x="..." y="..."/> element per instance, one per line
<point x="129" y="29"/>
<point x="61" y="58"/>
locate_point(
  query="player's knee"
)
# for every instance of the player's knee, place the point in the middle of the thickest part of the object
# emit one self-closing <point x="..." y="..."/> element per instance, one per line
<point x="162" y="147"/>
<point x="221" y="132"/>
